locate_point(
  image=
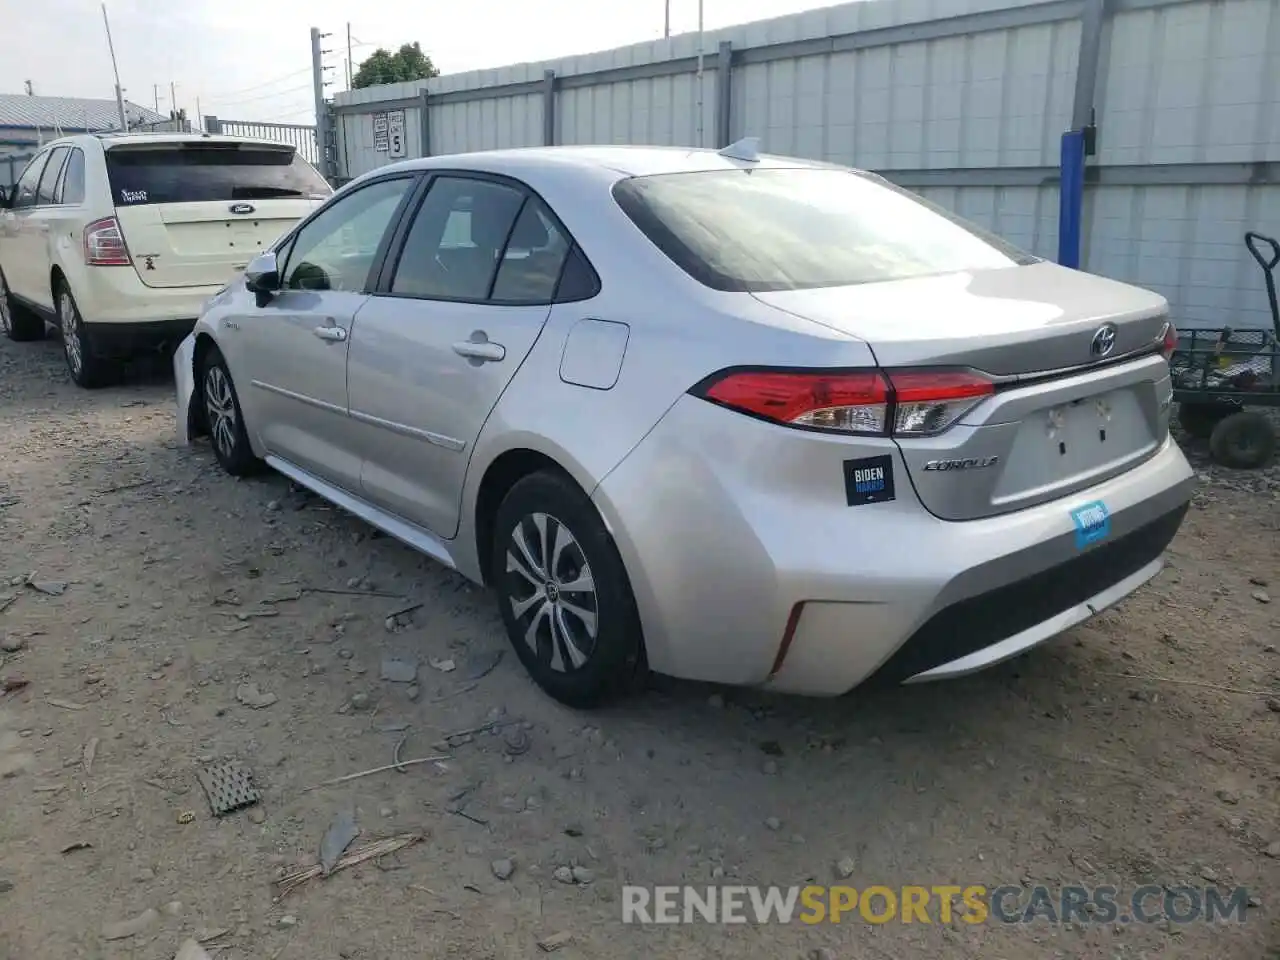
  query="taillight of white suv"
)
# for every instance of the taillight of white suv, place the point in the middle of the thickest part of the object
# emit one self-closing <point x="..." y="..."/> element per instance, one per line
<point x="104" y="244"/>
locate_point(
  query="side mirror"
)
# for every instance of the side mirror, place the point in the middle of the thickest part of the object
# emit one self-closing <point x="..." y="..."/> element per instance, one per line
<point x="262" y="275"/>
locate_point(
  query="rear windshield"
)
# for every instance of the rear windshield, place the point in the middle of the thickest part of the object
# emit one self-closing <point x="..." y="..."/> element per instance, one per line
<point x="204" y="172"/>
<point x="790" y="229"/>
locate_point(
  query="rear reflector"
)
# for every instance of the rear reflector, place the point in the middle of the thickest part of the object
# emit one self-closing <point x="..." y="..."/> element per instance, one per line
<point x="104" y="244"/>
<point x="902" y="403"/>
<point x="1169" y="340"/>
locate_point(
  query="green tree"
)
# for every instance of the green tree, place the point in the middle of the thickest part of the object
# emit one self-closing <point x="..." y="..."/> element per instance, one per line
<point x="383" y="66"/>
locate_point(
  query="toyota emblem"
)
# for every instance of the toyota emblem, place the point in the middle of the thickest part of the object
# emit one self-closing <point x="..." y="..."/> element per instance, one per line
<point x="1104" y="340"/>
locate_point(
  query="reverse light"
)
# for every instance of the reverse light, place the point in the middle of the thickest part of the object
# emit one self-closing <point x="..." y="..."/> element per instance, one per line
<point x="104" y="244"/>
<point x="1169" y="340"/>
<point x="902" y="403"/>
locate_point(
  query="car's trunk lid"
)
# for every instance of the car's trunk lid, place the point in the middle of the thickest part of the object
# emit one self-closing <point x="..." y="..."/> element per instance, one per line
<point x="194" y="212"/>
<point x="1082" y="393"/>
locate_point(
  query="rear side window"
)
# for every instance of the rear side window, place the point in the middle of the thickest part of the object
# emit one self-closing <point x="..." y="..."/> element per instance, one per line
<point x="44" y="193"/>
<point x="71" y="186"/>
<point x="792" y="229"/>
<point x="204" y="172"/>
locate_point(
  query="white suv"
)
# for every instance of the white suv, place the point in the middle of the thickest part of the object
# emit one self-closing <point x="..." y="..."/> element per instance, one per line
<point x="119" y="239"/>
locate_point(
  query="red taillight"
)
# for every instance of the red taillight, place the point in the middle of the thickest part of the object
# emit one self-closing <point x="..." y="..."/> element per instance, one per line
<point x="104" y="244"/>
<point x="898" y="402"/>
<point x="1169" y="340"/>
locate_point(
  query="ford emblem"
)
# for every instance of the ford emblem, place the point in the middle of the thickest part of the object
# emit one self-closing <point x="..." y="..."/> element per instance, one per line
<point x="242" y="208"/>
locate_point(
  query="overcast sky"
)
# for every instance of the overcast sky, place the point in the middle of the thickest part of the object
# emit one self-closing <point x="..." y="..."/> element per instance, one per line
<point x="250" y="59"/>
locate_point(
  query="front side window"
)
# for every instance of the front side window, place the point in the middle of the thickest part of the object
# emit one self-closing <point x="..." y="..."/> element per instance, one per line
<point x="71" y="187"/>
<point x="336" y="250"/>
<point x="792" y="229"/>
<point x="24" y="192"/>
<point x="453" y="247"/>
<point x="202" y="171"/>
<point x="52" y="170"/>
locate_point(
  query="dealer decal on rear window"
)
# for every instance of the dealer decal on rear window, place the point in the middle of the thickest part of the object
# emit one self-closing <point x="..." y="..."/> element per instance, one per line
<point x="1093" y="523"/>
<point x="868" y="480"/>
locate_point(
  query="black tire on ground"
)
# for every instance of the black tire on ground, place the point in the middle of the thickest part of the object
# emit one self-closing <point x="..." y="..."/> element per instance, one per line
<point x="220" y="406"/>
<point x="86" y="368"/>
<point x="17" y="322"/>
<point x="1244" y="440"/>
<point x="1199" y="419"/>
<point x="556" y="603"/>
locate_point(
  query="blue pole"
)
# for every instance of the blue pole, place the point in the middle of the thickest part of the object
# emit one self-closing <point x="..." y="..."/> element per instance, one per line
<point x="1071" y="199"/>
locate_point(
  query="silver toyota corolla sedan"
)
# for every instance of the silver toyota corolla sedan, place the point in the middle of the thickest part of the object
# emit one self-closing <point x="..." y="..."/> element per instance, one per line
<point x="731" y="417"/>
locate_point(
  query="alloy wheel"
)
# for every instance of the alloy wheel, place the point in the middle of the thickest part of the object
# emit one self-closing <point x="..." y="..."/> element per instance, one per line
<point x="551" y="592"/>
<point x="220" y="405"/>
<point x="69" y="320"/>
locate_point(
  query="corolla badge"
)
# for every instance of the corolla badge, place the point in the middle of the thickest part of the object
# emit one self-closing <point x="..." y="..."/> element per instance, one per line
<point x="1104" y="340"/>
<point x="242" y="208"/>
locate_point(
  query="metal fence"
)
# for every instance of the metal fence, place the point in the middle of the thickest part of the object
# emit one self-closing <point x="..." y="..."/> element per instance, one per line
<point x="302" y="136"/>
<point x="966" y="108"/>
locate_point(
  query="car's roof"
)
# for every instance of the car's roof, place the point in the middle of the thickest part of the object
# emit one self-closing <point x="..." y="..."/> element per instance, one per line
<point x="624" y="161"/>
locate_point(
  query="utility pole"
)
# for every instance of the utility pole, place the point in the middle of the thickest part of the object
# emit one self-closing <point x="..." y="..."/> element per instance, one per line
<point x="322" y="113"/>
<point x="666" y="21"/>
<point x="115" y="69"/>
<point x="199" y="116"/>
<point x="700" y="143"/>
<point x="173" y="99"/>
<point x="351" y="64"/>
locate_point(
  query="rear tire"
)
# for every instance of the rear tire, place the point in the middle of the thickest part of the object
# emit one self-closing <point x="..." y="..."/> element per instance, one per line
<point x="563" y="592"/>
<point x="1198" y="419"/>
<point x="87" y="369"/>
<point x="17" y="323"/>
<point x="224" y="421"/>
<point x="1244" y="441"/>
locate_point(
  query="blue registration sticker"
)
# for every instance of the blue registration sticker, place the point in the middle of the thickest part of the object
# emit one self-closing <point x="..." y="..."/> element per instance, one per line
<point x="1093" y="523"/>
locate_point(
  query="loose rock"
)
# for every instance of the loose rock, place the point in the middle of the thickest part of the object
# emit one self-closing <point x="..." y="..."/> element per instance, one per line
<point x="252" y="697"/>
<point x="257" y="815"/>
<point x="582" y="875"/>
<point x="555" y="942"/>
<point x="360" y="701"/>
<point x="773" y="823"/>
<point x="11" y="643"/>
<point x="845" y="867"/>
<point x="1273" y="850"/>
<point x="122" y="929"/>
<point x="502" y="869"/>
<point x="1262" y="596"/>
<point x="564" y="874"/>
<point x="191" y="950"/>
<point x="1228" y="796"/>
<point x="399" y="671"/>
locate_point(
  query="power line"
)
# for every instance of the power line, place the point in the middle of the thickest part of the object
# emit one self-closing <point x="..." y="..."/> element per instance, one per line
<point x="263" y="96"/>
<point x="257" y="86"/>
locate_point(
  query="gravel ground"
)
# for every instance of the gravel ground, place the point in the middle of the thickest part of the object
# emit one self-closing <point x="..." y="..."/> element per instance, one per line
<point x="194" y="629"/>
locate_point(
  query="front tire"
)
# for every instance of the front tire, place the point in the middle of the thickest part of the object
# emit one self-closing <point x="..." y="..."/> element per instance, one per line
<point x="87" y="369"/>
<point x="563" y="592"/>
<point x="223" y="418"/>
<point x="16" y="323"/>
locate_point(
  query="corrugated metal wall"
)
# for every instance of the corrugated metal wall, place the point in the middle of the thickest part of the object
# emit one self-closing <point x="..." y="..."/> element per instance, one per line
<point x="962" y="100"/>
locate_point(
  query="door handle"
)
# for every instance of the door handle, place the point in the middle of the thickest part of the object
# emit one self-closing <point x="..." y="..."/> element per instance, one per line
<point x="480" y="350"/>
<point x="332" y="334"/>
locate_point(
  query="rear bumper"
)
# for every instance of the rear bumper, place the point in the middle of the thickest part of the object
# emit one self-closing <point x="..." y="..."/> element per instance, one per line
<point x="116" y="295"/>
<point x="736" y="534"/>
<point x="128" y="339"/>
